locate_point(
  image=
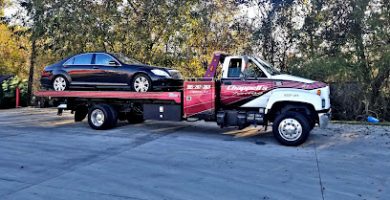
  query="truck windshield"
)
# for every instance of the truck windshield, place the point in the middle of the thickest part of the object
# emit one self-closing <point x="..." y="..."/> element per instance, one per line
<point x="126" y="59"/>
<point x="267" y="66"/>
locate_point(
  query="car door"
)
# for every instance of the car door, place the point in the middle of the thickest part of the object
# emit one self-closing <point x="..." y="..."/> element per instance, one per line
<point x="80" y="69"/>
<point x="112" y="72"/>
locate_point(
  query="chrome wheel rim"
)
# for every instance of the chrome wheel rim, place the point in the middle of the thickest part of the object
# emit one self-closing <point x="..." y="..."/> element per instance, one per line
<point x="97" y="117"/>
<point x="141" y="84"/>
<point x="59" y="84"/>
<point x="290" y="129"/>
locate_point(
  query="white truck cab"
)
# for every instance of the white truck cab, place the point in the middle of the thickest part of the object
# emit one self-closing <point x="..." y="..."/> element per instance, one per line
<point x="264" y="87"/>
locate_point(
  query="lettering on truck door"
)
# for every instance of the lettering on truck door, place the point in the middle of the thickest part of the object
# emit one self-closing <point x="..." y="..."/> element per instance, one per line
<point x="245" y="81"/>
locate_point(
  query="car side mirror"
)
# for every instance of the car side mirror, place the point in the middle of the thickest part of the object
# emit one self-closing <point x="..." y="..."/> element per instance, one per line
<point x="113" y="62"/>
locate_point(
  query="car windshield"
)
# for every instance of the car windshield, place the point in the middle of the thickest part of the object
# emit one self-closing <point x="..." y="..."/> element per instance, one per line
<point x="268" y="67"/>
<point x="126" y="59"/>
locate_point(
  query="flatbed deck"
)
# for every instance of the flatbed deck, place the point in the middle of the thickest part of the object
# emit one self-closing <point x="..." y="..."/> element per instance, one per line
<point x="164" y="96"/>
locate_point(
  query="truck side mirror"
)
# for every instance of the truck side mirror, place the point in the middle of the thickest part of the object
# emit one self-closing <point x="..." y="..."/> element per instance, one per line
<point x="243" y="75"/>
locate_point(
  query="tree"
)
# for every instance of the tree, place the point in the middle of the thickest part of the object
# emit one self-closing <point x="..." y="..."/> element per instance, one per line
<point x="14" y="50"/>
<point x="160" y="32"/>
<point x="2" y="6"/>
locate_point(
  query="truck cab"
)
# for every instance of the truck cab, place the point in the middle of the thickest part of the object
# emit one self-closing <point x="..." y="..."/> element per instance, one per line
<point x="253" y="88"/>
<point x="257" y="77"/>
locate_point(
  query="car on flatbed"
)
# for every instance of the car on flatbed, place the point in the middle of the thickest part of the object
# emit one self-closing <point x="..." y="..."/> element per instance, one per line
<point x="108" y="71"/>
<point x="247" y="91"/>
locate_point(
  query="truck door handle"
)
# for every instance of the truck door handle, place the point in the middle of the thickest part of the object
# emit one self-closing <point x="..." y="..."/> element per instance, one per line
<point x="227" y="83"/>
<point x="95" y="67"/>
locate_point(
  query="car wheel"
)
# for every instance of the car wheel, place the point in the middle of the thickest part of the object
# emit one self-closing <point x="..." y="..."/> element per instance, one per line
<point x="142" y="83"/>
<point x="291" y="128"/>
<point x="60" y="83"/>
<point x="101" y="117"/>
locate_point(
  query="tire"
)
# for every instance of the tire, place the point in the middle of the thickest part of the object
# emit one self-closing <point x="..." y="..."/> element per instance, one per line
<point x="141" y="83"/>
<point x="80" y="114"/>
<point x="311" y="119"/>
<point x="60" y="83"/>
<point x="291" y="128"/>
<point x="102" y="117"/>
<point x="312" y="124"/>
<point x="114" y="120"/>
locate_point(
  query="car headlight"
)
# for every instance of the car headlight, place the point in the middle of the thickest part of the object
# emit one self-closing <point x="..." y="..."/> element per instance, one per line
<point x="160" y="72"/>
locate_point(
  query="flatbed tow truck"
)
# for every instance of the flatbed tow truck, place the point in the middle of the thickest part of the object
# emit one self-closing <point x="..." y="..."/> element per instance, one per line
<point x="246" y="91"/>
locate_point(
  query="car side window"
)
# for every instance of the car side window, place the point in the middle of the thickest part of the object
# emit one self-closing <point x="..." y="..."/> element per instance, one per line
<point x="234" y="69"/>
<point x="84" y="59"/>
<point x="70" y="61"/>
<point x="102" y="59"/>
<point x="253" y="71"/>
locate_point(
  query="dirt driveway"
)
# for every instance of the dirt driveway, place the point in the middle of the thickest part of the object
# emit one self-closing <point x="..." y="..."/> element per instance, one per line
<point x="44" y="156"/>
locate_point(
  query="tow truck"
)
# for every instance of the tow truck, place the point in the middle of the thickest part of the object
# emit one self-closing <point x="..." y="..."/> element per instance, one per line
<point x="235" y="91"/>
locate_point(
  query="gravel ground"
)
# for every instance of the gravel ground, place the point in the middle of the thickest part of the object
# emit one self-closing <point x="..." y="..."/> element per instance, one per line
<point x="44" y="156"/>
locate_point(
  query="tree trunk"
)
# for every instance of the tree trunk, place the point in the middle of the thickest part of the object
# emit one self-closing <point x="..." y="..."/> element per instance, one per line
<point x="377" y="83"/>
<point x="31" y="72"/>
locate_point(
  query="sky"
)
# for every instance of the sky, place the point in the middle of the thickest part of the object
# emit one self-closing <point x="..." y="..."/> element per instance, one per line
<point x="8" y="11"/>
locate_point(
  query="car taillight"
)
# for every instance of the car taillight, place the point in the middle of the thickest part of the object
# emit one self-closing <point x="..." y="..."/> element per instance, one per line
<point x="45" y="73"/>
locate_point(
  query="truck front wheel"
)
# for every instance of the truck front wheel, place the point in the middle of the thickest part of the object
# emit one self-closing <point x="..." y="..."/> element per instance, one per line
<point x="291" y="128"/>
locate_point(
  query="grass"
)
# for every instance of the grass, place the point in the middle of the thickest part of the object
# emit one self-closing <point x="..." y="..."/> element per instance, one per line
<point x="360" y="123"/>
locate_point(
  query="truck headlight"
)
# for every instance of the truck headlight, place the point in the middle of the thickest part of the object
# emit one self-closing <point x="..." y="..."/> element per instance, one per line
<point x="160" y="72"/>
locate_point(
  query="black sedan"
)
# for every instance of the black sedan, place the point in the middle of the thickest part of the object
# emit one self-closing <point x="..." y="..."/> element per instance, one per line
<point x="108" y="70"/>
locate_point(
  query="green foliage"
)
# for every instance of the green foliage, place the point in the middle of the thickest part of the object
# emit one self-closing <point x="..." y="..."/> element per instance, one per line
<point x="321" y="68"/>
<point x="158" y="32"/>
<point x="2" y="6"/>
<point x="14" y="51"/>
<point x="8" y="91"/>
<point x="9" y="86"/>
<point x="341" y="42"/>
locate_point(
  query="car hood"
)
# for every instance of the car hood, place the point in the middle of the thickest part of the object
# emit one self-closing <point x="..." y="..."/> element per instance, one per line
<point x="292" y="78"/>
<point x="152" y="67"/>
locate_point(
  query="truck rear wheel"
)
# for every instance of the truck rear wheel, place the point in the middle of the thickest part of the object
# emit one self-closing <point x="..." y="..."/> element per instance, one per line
<point x="80" y="114"/>
<point x="291" y="128"/>
<point x="102" y="117"/>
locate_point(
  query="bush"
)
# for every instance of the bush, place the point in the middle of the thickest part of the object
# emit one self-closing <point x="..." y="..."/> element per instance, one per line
<point x="8" y="94"/>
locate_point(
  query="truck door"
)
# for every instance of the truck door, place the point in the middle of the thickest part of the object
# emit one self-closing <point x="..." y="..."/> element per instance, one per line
<point x="242" y="82"/>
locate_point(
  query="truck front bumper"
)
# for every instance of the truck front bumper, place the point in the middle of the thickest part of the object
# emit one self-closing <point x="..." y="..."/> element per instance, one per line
<point x="324" y="119"/>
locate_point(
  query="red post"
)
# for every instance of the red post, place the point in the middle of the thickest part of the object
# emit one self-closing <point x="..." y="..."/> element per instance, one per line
<point x="17" y="97"/>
